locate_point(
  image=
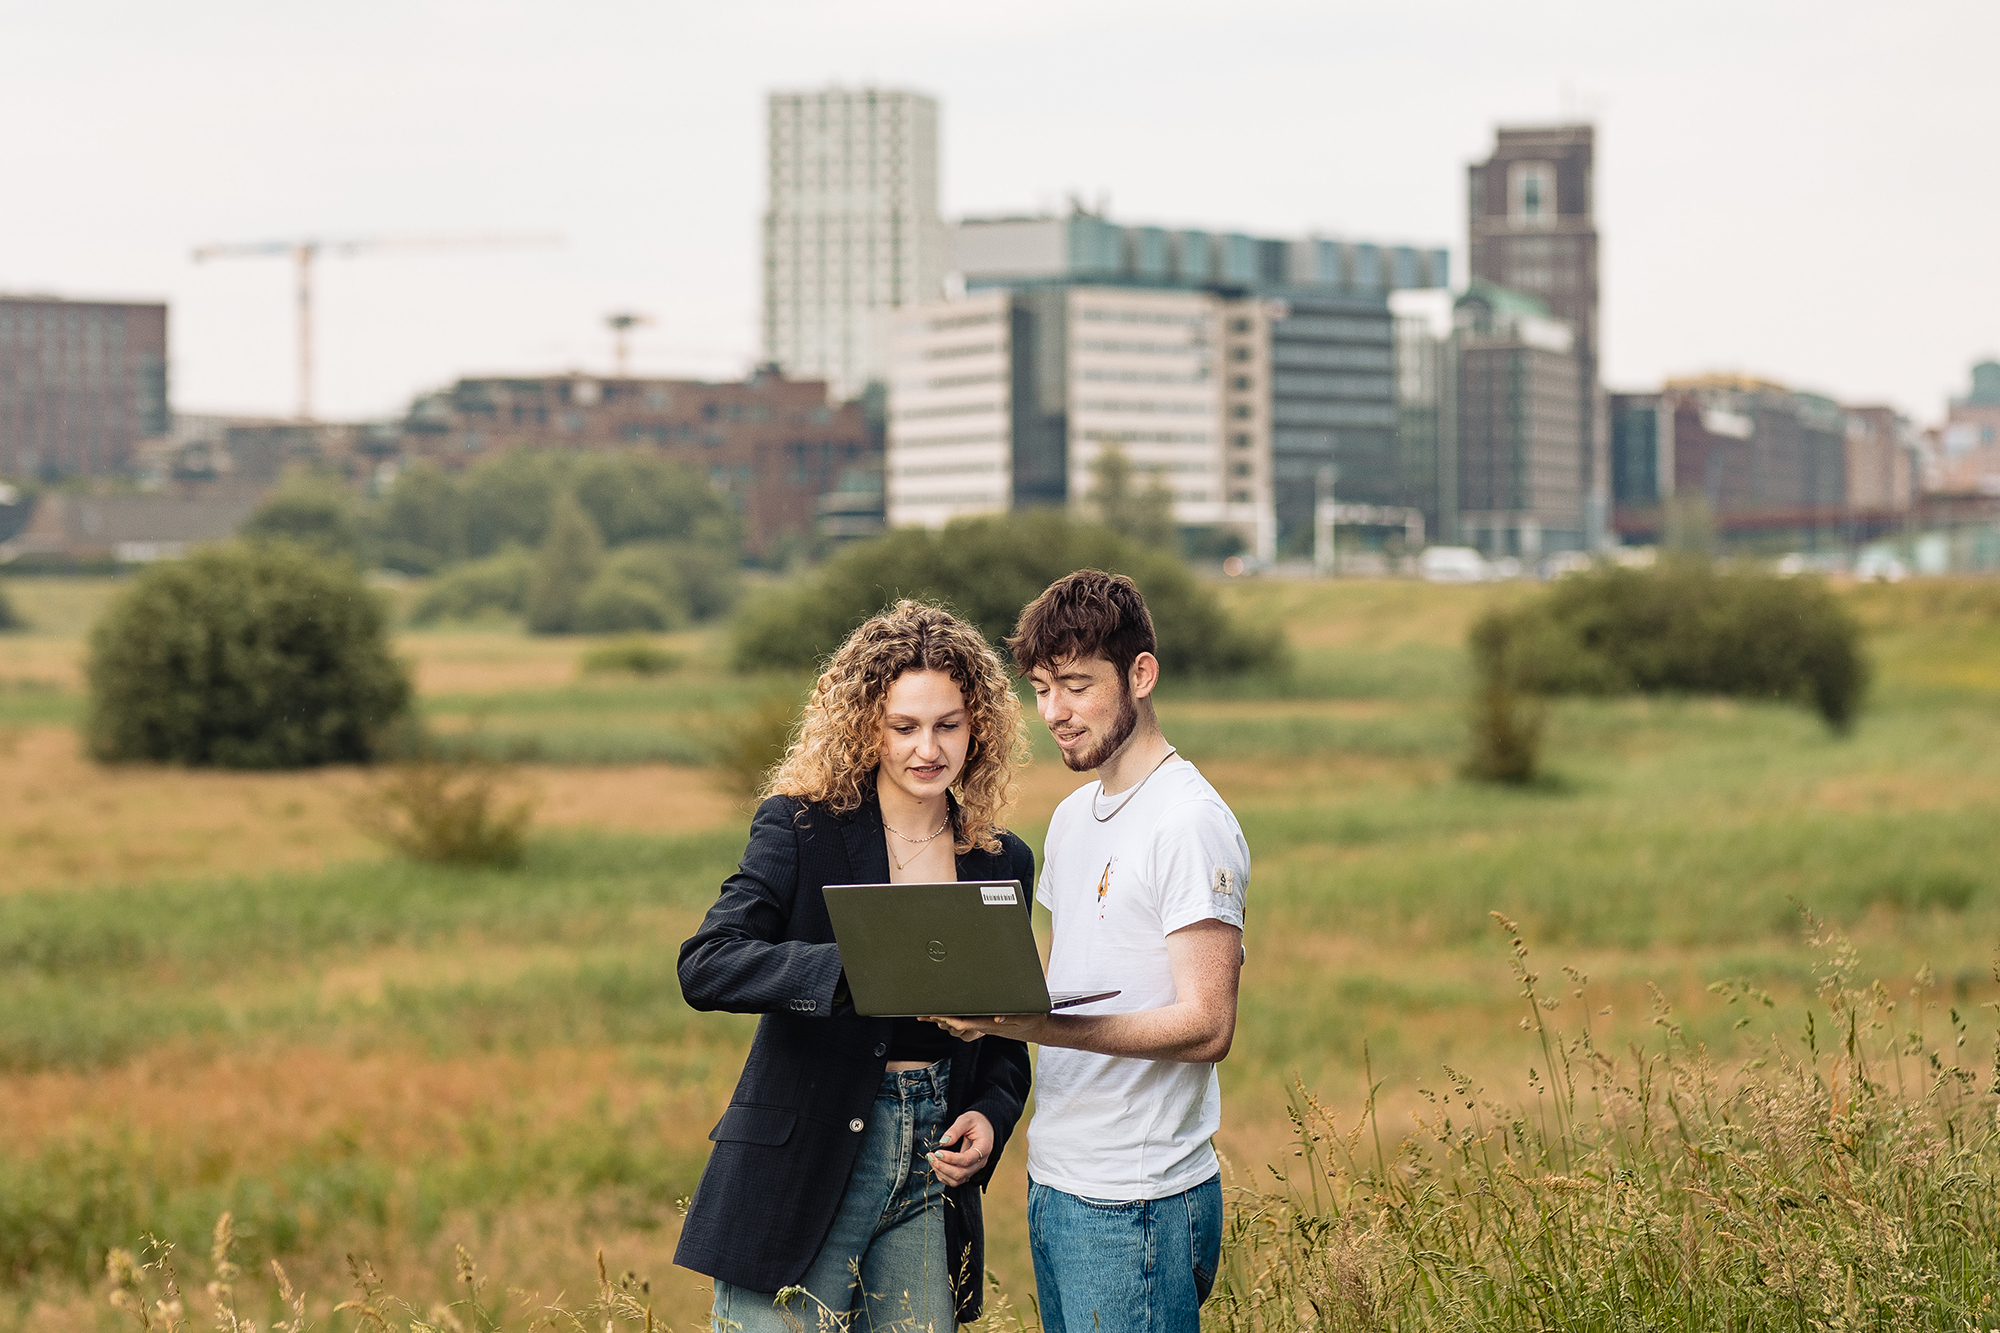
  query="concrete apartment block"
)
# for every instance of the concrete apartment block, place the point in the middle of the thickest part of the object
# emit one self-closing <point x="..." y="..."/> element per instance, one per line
<point x="1006" y="398"/>
<point x="1145" y="378"/>
<point x="851" y="231"/>
<point x="950" y="433"/>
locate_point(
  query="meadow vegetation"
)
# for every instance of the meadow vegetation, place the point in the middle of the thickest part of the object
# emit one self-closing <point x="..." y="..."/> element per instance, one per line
<point x="10" y="619"/>
<point x="986" y="569"/>
<point x="215" y="995"/>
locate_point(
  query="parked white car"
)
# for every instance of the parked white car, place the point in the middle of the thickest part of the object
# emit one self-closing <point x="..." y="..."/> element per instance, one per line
<point x="1453" y="564"/>
<point x="1880" y="566"/>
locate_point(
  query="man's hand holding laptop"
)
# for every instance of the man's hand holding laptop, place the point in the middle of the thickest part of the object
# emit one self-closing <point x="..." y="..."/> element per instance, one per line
<point x="1205" y="958"/>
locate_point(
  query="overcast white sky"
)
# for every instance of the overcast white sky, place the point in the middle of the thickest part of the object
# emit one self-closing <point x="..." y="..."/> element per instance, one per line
<point x="1806" y="191"/>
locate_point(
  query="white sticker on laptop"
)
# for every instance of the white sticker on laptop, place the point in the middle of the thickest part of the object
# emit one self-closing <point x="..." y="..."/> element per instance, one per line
<point x="998" y="895"/>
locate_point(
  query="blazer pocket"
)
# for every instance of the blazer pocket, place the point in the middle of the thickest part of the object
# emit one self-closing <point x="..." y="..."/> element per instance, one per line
<point x="765" y="1125"/>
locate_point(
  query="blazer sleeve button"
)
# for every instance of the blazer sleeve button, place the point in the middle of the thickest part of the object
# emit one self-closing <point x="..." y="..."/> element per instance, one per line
<point x="881" y="1049"/>
<point x="855" y="1125"/>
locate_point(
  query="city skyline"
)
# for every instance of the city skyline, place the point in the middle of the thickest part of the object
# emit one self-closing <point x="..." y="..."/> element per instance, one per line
<point x="1796" y="203"/>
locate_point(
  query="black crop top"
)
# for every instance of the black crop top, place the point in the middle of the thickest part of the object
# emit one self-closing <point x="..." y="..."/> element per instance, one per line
<point x="914" y="1039"/>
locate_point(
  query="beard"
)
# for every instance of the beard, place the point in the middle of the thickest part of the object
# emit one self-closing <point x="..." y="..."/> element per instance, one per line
<point x="1082" y="761"/>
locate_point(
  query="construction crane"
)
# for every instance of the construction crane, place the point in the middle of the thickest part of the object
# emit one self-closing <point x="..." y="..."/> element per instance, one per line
<point x="621" y="324"/>
<point x="304" y="252"/>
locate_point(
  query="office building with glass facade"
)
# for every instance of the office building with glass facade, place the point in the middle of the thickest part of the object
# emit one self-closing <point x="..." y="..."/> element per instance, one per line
<point x="1296" y="373"/>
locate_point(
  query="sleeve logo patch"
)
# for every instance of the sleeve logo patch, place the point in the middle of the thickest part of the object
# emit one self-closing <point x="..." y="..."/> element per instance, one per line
<point x="998" y="895"/>
<point x="1225" y="880"/>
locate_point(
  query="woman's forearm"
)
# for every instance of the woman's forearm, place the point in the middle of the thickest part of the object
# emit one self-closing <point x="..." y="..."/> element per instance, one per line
<point x="739" y="975"/>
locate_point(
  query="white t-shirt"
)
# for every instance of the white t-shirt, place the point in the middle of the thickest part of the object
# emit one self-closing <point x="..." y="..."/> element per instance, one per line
<point x="1117" y="1127"/>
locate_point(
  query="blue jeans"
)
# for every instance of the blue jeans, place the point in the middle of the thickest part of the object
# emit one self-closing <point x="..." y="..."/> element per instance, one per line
<point x="882" y="1265"/>
<point x="1125" y="1266"/>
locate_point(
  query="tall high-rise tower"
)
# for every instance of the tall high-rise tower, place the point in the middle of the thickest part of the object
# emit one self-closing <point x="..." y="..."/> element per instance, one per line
<point x="852" y="229"/>
<point x="1532" y="227"/>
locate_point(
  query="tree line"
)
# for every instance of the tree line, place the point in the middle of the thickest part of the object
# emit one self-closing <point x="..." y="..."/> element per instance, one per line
<point x="572" y="542"/>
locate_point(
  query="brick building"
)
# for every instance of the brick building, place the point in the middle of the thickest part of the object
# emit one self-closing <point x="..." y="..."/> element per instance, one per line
<point x="1882" y="460"/>
<point x="1968" y="457"/>
<point x="795" y="465"/>
<point x="1532" y="228"/>
<point x="81" y="383"/>
<point x="1763" y="457"/>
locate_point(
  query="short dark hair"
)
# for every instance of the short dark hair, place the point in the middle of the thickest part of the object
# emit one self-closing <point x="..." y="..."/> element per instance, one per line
<point x="1086" y="614"/>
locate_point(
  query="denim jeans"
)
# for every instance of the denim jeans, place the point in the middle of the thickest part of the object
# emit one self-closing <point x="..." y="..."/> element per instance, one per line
<point x="1125" y="1266"/>
<point x="883" y="1264"/>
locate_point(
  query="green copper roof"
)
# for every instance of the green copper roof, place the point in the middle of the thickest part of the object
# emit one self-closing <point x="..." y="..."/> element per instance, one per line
<point x="1503" y="300"/>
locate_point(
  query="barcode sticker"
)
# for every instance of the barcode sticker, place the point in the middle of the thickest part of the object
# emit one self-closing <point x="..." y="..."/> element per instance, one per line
<point x="998" y="895"/>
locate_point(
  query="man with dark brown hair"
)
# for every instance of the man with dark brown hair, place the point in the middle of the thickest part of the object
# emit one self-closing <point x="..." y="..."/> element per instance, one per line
<point x="1144" y="872"/>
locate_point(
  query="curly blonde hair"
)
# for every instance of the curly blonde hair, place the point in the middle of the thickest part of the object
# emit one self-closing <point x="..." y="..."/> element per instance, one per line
<point x="833" y="757"/>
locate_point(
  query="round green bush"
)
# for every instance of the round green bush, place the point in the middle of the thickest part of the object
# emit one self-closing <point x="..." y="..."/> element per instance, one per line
<point x="986" y="569"/>
<point x="1683" y="626"/>
<point x="498" y="583"/>
<point x="250" y="655"/>
<point x="616" y="602"/>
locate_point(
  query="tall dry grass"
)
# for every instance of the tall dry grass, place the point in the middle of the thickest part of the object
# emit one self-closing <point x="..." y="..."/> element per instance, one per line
<point x="449" y="805"/>
<point x="1847" y="1177"/>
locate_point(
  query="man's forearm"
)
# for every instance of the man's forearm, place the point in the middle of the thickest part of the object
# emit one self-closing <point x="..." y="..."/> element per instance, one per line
<point x="1180" y="1032"/>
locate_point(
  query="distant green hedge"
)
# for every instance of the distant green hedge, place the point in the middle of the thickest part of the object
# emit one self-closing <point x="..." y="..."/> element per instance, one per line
<point x="10" y="619"/>
<point x="1681" y="626"/>
<point x="251" y="655"/>
<point x="987" y="569"/>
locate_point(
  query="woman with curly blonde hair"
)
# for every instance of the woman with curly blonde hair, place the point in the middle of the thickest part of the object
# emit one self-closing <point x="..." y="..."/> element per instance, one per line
<point x="847" y="1170"/>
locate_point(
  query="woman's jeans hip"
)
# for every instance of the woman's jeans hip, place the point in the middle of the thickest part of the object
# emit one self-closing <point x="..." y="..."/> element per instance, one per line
<point x="883" y="1264"/>
<point x="1125" y="1266"/>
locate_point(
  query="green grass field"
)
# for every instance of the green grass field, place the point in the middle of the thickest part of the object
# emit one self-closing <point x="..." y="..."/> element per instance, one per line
<point x="356" y="1054"/>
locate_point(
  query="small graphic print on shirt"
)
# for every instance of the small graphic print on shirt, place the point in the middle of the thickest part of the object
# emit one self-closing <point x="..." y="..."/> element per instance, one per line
<point x="1225" y="880"/>
<point x="1104" y="886"/>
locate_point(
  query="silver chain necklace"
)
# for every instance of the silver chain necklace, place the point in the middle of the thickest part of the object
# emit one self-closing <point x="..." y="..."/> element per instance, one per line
<point x="1105" y="819"/>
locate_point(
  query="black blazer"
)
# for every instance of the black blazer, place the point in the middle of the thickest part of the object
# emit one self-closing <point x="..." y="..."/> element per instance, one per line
<point x="784" y="1149"/>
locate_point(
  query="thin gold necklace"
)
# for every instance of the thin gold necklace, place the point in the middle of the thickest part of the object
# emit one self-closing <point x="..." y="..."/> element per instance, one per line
<point x="915" y="842"/>
<point x="918" y="842"/>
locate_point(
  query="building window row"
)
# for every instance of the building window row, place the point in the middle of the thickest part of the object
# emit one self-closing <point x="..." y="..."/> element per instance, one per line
<point x="953" y="381"/>
<point x="932" y="441"/>
<point x="1145" y="376"/>
<point x="1332" y="386"/>
<point x="1117" y="405"/>
<point x="947" y="469"/>
<point x="1332" y="328"/>
<point x="963" y="349"/>
<point x="1124" y="316"/>
<point x="952" y="498"/>
<point x="950" y="410"/>
<point x="1148" y="349"/>
<point x="1333" y="414"/>
<point x="1319" y="356"/>
<point x="1146" y="436"/>
<point x="962" y="322"/>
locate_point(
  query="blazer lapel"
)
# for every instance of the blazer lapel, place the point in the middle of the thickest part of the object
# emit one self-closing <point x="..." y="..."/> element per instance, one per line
<point x="867" y="854"/>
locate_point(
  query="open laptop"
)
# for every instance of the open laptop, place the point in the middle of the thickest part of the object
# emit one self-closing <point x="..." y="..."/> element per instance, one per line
<point x="953" y="950"/>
